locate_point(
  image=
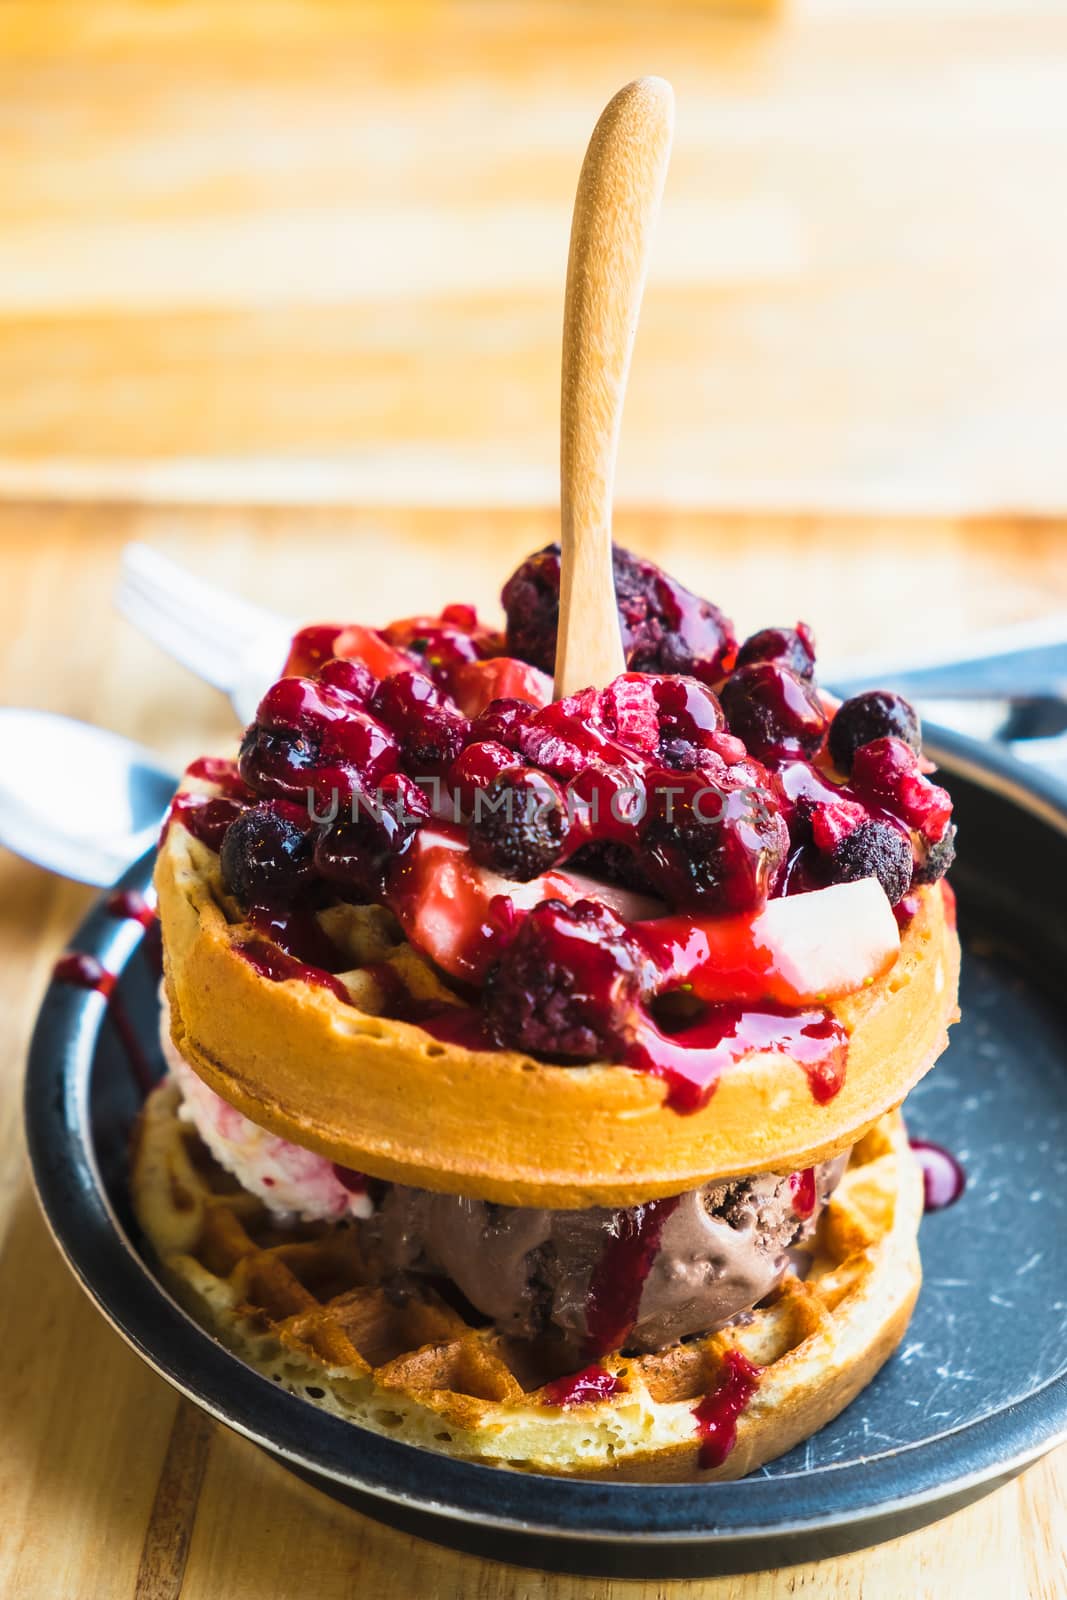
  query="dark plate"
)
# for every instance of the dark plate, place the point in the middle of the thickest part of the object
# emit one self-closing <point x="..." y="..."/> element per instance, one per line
<point x="978" y="1389"/>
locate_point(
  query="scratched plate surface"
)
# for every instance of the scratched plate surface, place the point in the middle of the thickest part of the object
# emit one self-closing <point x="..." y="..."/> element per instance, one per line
<point x="976" y="1388"/>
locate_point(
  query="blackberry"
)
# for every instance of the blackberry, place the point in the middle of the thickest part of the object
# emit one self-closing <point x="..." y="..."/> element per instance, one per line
<point x="937" y="860"/>
<point x="267" y="855"/>
<point x="874" y="850"/>
<point x="776" y="713"/>
<point x="665" y="628"/>
<point x="519" y="825"/>
<point x="789" y="647"/>
<point x="876" y="714"/>
<point x="566" y="984"/>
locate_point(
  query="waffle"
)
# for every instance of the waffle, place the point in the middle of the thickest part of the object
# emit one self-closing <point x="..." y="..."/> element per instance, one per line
<point x="298" y="1304"/>
<point x="384" y="1097"/>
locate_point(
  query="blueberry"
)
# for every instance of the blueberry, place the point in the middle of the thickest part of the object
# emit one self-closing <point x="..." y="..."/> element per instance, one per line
<point x="776" y="713"/>
<point x="789" y="647"/>
<point x="519" y="825"/>
<point x="266" y="856"/>
<point x="874" y="850"/>
<point x="877" y="714"/>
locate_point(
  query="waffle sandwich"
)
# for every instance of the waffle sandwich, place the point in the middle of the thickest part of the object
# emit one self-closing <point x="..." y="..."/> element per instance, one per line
<point x="534" y="1065"/>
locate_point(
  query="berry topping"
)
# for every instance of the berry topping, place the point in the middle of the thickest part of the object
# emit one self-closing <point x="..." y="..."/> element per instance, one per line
<point x="886" y="773"/>
<point x="356" y="848"/>
<point x="690" y="722"/>
<point x="351" y="676"/>
<point x="565" y="985"/>
<point x="776" y="713"/>
<point x="874" y="850"/>
<point x="267" y="854"/>
<point x="874" y="715"/>
<point x="716" y="844"/>
<point x="430" y="731"/>
<point x="502" y="721"/>
<point x="519" y="825"/>
<point x="936" y="859"/>
<point x="788" y="647"/>
<point x="664" y="627"/>
<point x="309" y="734"/>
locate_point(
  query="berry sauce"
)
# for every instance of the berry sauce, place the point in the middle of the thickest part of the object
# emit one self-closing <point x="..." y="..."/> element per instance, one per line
<point x="619" y="1276"/>
<point x="802" y="1188"/>
<point x="348" y="1178"/>
<point x="129" y="906"/>
<point x="581" y="1388"/>
<point x="86" y="972"/>
<point x="205" y="816"/>
<point x="692" y="1062"/>
<point x="270" y="961"/>
<point x="698" y="788"/>
<point x="944" y="1179"/>
<point x="718" y="1412"/>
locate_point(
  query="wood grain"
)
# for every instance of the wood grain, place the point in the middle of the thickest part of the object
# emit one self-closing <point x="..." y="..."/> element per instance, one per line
<point x="90" y="1451"/>
<point x="292" y="251"/>
<point x="616" y="208"/>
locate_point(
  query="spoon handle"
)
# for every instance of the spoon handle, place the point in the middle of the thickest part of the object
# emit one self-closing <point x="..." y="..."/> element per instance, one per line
<point x="615" y="212"/>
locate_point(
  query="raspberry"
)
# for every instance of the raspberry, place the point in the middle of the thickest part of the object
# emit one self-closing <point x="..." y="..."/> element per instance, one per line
<point x="788" y="647"/>
<point x="566" y="985"/>
<point x="874" y="850"/>
<point x="266" y="854"/>
<point x="776" y="713"/>
<point x="664" y="627"/>
<point x="502" y="721"/>
<point x="886" y="773"/>
<point x="628" y="711"/>
<point x="878" y="714"/>
<point x="519" y="825"/>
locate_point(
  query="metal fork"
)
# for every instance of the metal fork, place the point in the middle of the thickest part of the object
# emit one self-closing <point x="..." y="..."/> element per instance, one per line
<point x="238" y="647"/>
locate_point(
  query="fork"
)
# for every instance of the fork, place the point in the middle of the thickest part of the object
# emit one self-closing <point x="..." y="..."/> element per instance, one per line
<point x="1006" y="686"/>
<point x="234" y="645"/>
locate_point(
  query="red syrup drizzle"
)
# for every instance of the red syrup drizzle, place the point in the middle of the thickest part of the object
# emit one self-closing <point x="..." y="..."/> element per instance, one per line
<point x="619" y="1275"/>
<point x="126" y="905"/>
<point x="802" y="1188"/>
<point x="348" y="1178"/>
<point x="581" y="1388"/>
<point x="85" y="972"/>
<point x="692" y="1061"/>
<point x="718" y="1412"/>
<point x="270" y="961"/>
<point x="205" y="816"/>
<point x="944" y="1179"/>
<point x="462" y="1025"/>
<point x="224" y="775"/>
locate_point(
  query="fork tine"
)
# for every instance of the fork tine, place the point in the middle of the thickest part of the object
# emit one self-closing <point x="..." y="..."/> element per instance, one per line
<point x="207" y="629"/>
<point x="184" y="592"/>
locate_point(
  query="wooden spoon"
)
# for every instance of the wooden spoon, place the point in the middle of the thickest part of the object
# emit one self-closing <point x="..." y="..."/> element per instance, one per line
<point x="615" y="213"/>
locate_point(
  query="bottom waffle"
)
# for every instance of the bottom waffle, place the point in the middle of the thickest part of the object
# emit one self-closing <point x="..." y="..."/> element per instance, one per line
<point x="298" y="1303"/>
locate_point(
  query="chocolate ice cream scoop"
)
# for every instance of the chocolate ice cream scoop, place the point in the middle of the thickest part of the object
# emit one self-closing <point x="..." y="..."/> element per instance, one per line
<point x="598" y="1280"/>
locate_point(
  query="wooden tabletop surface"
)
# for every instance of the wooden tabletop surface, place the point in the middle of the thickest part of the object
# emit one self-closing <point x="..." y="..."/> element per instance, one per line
<point x="109" y="1488"/>
<point x="318" y="248"/>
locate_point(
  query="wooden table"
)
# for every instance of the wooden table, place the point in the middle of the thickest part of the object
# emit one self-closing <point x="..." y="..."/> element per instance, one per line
<point x="108" y="1487"/>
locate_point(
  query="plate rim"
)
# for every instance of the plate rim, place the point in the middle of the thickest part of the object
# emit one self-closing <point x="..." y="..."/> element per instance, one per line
<point x="68" y="1185"/>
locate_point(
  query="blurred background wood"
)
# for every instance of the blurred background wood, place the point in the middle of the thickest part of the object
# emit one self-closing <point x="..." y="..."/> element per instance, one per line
<point x="316" y="250"/>
<point x="88" y="1433"/>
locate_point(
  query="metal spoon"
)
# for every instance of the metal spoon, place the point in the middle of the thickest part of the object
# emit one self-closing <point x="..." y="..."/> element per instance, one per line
<point x="75" y="799"/>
